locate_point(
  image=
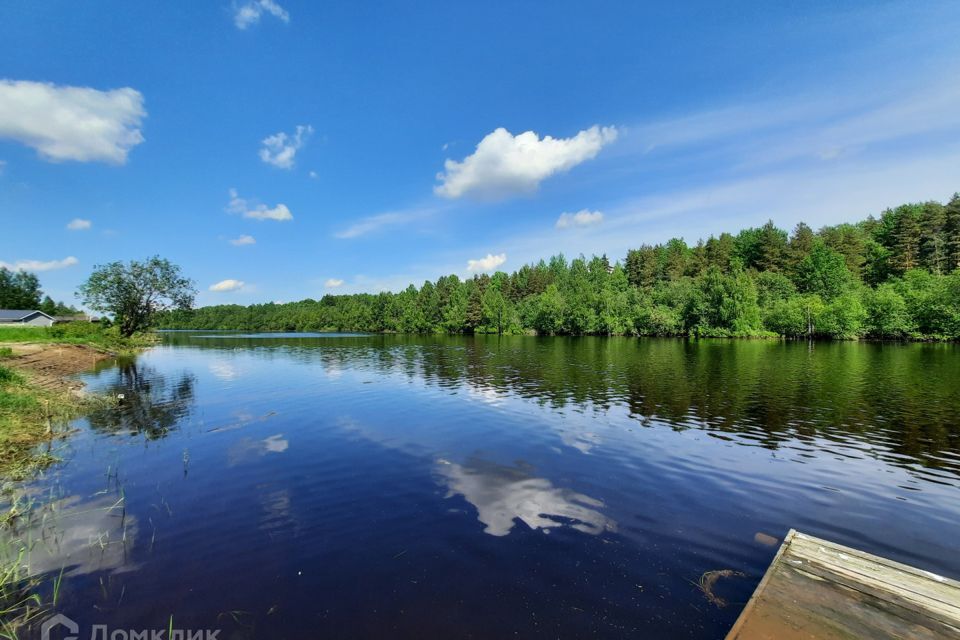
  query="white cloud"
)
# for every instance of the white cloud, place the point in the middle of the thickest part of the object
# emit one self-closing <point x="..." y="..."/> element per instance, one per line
<point x="504" y="164"/>
<point x="390" y="218"/>
<point x="39" y="265"/>
<point x="821" y="126"/>
<point x="249" y="13"/>
<point x="368" y="225"/>
<point x="582" y="218"/>
<point x="243" y="241"/>
<point x="333" y="283"/>
<point x="71" y="123"/>
<point x="314" y="175"/>
<point x="227" y="285"/>
<point x="79" y="224"/>
<point x="281" y="148"/>
<point x="487" y="264"/>
<point x="240" y="206"/>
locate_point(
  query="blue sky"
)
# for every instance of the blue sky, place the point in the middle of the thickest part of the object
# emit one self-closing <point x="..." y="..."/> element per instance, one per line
<point x="283" y="149"/>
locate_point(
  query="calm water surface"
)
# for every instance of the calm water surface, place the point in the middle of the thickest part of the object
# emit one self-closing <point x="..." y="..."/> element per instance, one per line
<point x="308" y="486"/>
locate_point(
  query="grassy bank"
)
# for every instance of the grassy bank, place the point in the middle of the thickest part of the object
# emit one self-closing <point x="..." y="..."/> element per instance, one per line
<point x="31" y="412"/>
<point x="29" y="416"/>
<point x="81" y="333"/>
<point x="35" y="407"/>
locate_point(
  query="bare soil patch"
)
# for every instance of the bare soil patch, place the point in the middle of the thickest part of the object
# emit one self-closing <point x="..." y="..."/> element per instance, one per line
<point x="50" y="365"/>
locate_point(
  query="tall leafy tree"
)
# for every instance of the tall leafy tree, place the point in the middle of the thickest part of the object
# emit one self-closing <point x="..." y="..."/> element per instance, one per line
<point x="726" y="302"/>
<point x="549" y="312"/>
<point x="19" y="290"/>
<point x="135" y="292"/>
<point x="496" y="309"/>
<point x="824" y="272"/>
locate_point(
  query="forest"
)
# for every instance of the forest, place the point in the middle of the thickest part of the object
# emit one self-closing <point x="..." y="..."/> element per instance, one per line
<point x="21" y="290"/>
<point x="896" y="276"/>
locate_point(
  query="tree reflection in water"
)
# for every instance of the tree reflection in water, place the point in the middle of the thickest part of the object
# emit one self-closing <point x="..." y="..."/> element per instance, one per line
<point x="898" y="400"/>
<point x="153" y="404"/>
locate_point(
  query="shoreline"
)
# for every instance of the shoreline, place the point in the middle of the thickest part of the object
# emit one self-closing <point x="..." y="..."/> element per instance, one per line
<point x="38" y="394"/>
<point x="48" y="365"/>
<point x="678" y="336"/>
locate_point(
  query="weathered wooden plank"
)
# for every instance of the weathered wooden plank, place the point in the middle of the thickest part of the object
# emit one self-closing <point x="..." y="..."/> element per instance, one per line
<point x="923" y="585"/>
<point x="882" y="584"/>
<point x="818" y="589"/>
<point x="753" y="602"/>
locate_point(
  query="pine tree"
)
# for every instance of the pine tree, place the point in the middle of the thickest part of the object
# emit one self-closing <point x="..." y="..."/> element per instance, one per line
<point x="801" y="244"/>
<point x="906" y="238"/>
<point x="771" y="248"/>
<point x="676" y="258"/>
<point x="478" y="287"/>
<point x="933" y="255"/>
<point x="720" y="252"/>
<point x="849" y="241"/>
<point x="951" y="233"/>
<point x="642" y="266"/>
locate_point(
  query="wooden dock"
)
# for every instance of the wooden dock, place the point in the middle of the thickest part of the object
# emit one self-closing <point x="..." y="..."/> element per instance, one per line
<point x="818" y="589"/>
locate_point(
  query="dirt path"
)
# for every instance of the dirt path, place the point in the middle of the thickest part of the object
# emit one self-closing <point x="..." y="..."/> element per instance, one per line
<point x="49" y="365"/>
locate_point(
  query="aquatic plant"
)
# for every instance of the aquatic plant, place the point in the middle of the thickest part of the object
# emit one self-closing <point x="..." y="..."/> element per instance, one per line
<point x="709" y="580"/>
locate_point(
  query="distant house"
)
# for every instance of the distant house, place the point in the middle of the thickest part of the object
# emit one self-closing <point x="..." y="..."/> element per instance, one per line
<point x="23" y="317"/>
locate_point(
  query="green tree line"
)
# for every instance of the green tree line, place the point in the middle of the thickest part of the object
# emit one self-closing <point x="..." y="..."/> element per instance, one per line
<point x="21" y="290"/>
<point x="892" y="277"/>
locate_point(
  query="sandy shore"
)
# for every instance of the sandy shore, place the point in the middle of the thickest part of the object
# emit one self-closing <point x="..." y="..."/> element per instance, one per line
<point x="49" y="366"/>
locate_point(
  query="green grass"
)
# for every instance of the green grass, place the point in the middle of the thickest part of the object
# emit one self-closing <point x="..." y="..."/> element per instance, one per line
<point x="9" y="376"/>
<point x="29" y="421"/>
<point x="85" y="333"/>
<point x="31" y="525"/>
<point x="30" y="417"/>
<point x="19" y="601"/>
<point x="26" y="419"/>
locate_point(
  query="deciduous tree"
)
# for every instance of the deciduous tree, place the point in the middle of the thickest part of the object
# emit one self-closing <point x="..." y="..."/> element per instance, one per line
<point x="134" y="292"/>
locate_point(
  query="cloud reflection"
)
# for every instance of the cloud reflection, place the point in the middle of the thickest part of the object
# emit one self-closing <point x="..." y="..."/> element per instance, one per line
<point x="80" y="536"/>
<point x="505" y="494"/>
<point x="248" y="448"/>
<point x="223" y="370"/>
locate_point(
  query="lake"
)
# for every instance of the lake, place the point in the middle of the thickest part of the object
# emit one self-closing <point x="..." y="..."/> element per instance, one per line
<point x="350" y="486"/>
